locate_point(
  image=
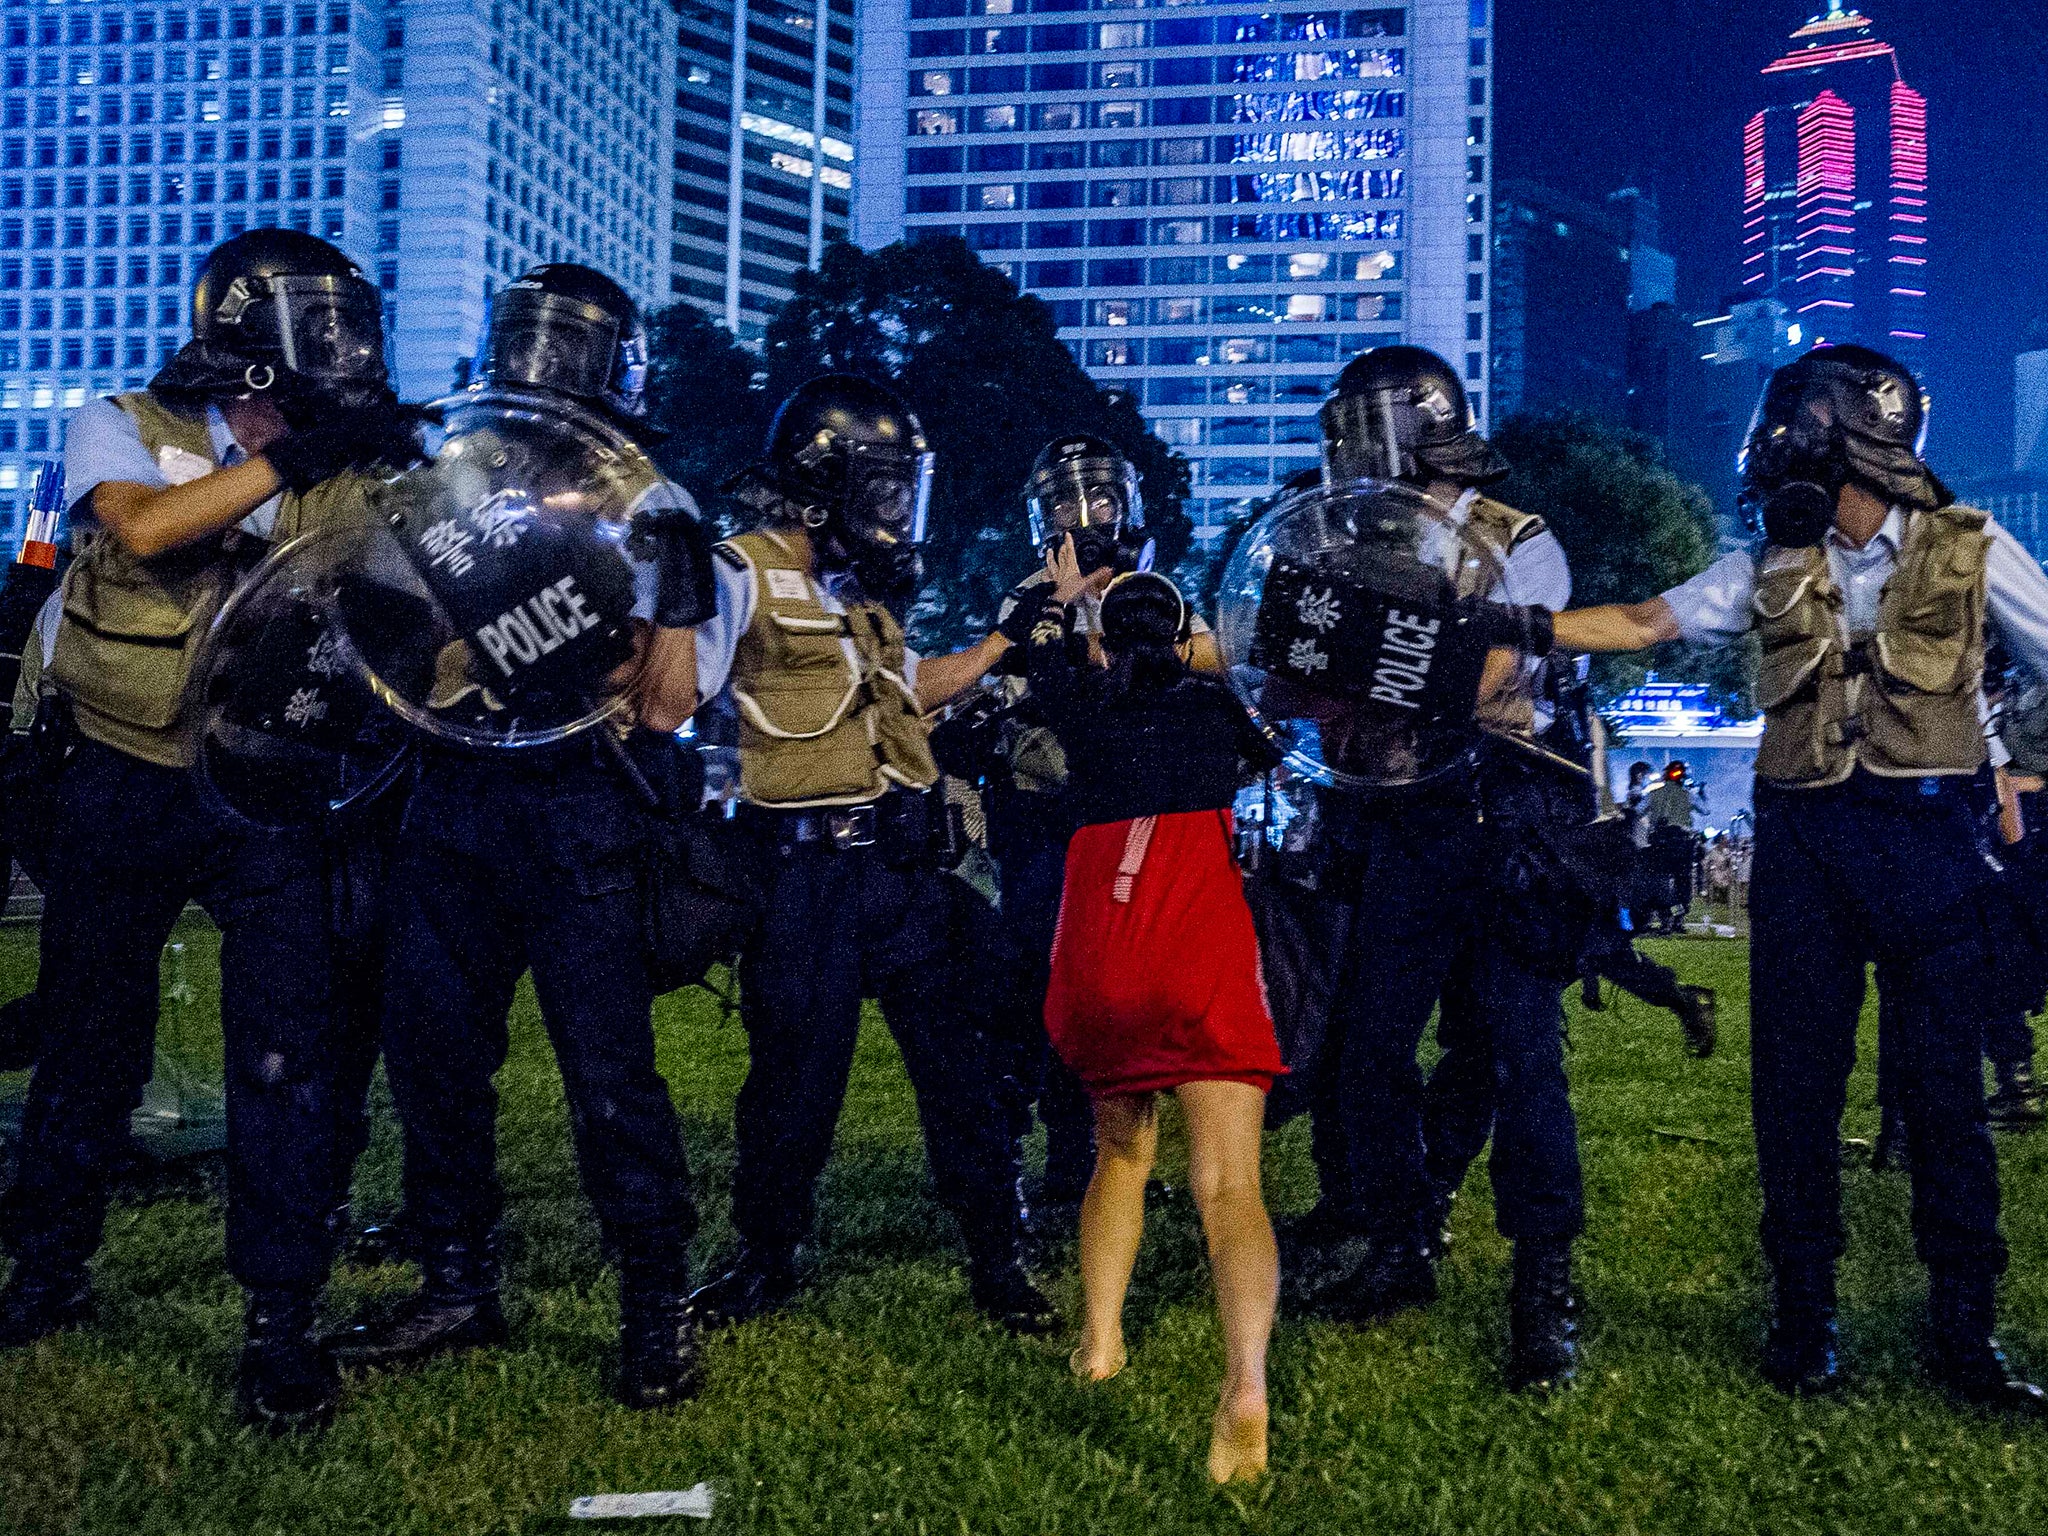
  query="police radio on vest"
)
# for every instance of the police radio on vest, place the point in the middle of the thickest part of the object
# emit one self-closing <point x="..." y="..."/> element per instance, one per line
<point x="545" y="622"/>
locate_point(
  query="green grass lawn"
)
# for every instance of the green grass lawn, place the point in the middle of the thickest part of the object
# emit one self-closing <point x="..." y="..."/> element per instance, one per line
<point x="883" y="1404"/>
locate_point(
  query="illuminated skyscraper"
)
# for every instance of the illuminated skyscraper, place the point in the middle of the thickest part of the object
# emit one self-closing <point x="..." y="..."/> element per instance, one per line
<point x="1834" y="190"/>
<point x="1219" y="206"/>
<point x="754" y="201"/>
<point x="444" y="144"/>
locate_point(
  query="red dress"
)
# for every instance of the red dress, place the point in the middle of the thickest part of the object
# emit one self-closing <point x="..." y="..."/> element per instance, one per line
<point x="1155" y="969"/>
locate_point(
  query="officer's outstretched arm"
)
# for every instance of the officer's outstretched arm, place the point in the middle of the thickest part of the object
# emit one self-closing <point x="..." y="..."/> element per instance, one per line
<point x="943" y="678"/>
<point x="149" y="520"/>
<point x="1617" y="627"/>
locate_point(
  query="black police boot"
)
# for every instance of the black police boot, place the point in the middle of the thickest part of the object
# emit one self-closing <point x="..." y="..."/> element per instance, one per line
<point x="758" y="1283"/>
<point x="1589" y="993"/>
<point x="38" y="1303"/>
<point x="390" y="1241"/>
<point x="1803" y="1355"/>
<point x="2016" y="1104"/>
<point x="1888" y="1153"/>
<point x="456" y="1308"/>
<point x="21" y="1032"/>
<point x="1001" y="1290"/>
<point x="1543" y="1317"/>
<point x="659" y="1364"/>
<point x="1697" y="1019"/>
<point x="1962" y="1354"/>
<point x="1390" y="1276"/>
<point x="287" y="1381"/>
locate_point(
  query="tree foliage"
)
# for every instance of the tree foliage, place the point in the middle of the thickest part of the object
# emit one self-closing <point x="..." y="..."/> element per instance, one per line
<point x="983" y="367"/>
<point x="1631" y="529"/>
<point x="702" y="395"/>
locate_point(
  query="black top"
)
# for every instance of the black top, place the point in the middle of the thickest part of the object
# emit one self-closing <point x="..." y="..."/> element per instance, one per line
<point x="1149" y="751"/>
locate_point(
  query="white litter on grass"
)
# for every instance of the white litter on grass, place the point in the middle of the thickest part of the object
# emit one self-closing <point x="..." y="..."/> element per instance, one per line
<point x="693" y="1502"/>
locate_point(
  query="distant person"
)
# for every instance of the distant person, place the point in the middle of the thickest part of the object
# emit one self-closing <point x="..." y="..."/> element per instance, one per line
<point x="1155" y="970"/>
<point x="1670" y="804"/>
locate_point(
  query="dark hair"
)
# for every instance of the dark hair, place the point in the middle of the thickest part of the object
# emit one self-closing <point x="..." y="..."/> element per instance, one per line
<point x="1144" y="620"/>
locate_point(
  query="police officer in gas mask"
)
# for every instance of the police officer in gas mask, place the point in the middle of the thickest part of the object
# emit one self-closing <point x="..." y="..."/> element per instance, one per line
<point x="1871" y="591"/>
<point x="1084" y="488"/>
<point x="529" y="858"/>
<point x="836" y="779"/>
<point x="1449" y="905"/>
<point x="258" y="430"/>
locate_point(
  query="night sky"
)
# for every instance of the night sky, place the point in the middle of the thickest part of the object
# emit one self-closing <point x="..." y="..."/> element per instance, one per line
<point x="1591" y="95"/>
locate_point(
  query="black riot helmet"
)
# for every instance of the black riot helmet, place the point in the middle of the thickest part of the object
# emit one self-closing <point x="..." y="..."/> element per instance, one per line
<point x="1400" y="413"/>
<point x="571" y="329"/>
<point x="292" y="311"/>
<point x="850" y="458"/>
<point x="1085" y="487"/>
<point x="1836" y="415"/>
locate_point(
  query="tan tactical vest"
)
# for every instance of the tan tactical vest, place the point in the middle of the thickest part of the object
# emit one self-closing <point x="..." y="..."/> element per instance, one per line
<point x="826" y="715"/>
<point x="132" y="626"/>
<point x="1905" y="705"/>
<point x="1505" y="529"/>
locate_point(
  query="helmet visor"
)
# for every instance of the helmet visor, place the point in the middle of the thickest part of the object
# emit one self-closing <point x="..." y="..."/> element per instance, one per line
<point x="1363" y="436"/>
<point x="889" y="498"/>
<point x="1082" y="496"/>
<point x="330" y="328"/>
<point x="552" y="342"/>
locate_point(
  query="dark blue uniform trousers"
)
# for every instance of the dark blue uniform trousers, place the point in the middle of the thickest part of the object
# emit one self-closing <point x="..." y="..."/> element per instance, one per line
<point x="1031" y="854"/>
<point x="1885" y="872"/>
<point x="503" y="868"/>
<point x="1409" y="868"/>
<point x="842" y="925"/>
<point x="132" y="843"/>
<point x="1501" y="1076"/>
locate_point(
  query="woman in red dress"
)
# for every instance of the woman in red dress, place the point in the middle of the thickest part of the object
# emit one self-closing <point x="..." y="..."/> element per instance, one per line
<point x="1155" y="971"/>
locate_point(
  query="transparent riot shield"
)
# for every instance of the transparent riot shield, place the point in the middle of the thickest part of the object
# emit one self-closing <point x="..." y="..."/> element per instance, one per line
<point x="1361" y="627"/>
<point x="491" y="601"/>
<point x="286" y="730"/>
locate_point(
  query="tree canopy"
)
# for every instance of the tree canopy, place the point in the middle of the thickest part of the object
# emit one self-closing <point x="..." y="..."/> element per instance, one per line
<point x="980" y="363"/>
<point x="1631" y="528"/>
<point x="702" y="396"/>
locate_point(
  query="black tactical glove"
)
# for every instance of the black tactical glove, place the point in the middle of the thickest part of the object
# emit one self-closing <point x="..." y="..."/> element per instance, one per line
<point x="390" y="434"/>
<point x="1514" y="626"/>
<point x="306" y="458"/>
<point x="1027" y="606"/>
<point x="679" y="548"/>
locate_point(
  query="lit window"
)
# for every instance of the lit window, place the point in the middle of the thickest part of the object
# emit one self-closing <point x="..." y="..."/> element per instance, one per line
<point x="1305" y="265"/>
<point x="930" y="121"/>
<point x="1121" y="34"/>
<point x="997" y="119"/>
<point x="936" y="82"/>
<point x="1114" y="312"/>
<point x="1003" y="196"/>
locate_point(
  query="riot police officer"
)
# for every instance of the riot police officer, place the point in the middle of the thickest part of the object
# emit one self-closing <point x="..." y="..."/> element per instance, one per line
<point x="246" y="435"/>
<point x="1084" y="487"/>
<point x="529" y="857"/>
<point x="1443" y="883"/>
<point x="1870" y="590"/>
<point x="836" y="791"/>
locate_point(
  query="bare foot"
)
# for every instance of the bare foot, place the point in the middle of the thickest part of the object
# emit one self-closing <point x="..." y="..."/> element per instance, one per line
<point x="1091" y="1362"/>
<point x="1237" y="1445"/>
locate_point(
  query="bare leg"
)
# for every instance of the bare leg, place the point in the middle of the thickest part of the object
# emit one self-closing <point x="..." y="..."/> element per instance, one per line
<point x="1112" y="1220"/>
<point x="1224" y="1125"/>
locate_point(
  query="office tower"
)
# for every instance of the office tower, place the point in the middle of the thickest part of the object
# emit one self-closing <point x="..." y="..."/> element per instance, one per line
<point x="1220" y="207"/>
<point x="135" y="136"/>
<point x="755" y="201"/>
<point x="1569" y="278"/>
<point x="1834" y="190"/>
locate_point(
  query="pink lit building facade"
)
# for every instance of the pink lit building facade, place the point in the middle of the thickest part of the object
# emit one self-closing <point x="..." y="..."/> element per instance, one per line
<point x="1835" y="203"/>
